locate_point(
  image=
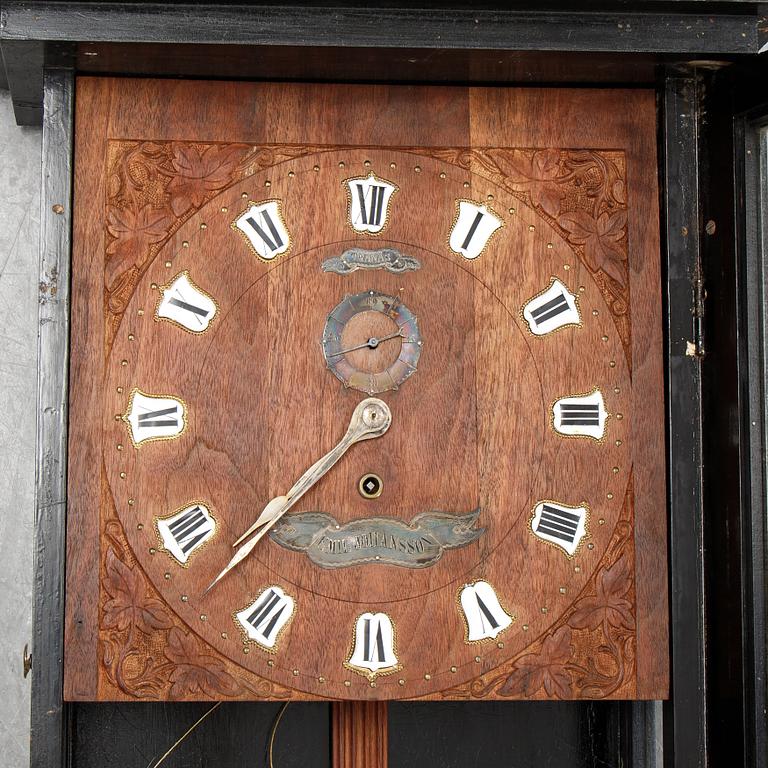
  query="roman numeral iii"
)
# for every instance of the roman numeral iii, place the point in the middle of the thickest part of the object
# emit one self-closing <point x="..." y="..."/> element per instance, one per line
<point x="264" y="229"/>
<point x="263" y="620"/>
<point x="154" y="417"/>
<point x="483" y="614"/>
<point x="184" y="304"/>
<point x="560" y="524"/>
<point x="373" y="651"/>
<point x="580" y="415"/>
<point x="553" y="309"/>
<point x="185" y="531"/>
<point x="472" y="229"/>
<point x="368" y="200"/>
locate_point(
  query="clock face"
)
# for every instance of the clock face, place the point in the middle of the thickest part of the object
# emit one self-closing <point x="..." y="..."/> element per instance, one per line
<point x="426" y="553"/>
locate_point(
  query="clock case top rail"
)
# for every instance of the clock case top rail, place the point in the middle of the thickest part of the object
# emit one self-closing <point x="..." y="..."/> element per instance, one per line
<point x="355" y="41"/>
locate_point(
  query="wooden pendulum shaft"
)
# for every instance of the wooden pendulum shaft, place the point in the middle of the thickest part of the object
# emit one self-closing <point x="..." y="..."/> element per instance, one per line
<point x="359" y="734"/>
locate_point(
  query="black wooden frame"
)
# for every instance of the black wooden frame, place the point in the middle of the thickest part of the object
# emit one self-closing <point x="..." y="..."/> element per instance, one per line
<point x="716" y="358"/>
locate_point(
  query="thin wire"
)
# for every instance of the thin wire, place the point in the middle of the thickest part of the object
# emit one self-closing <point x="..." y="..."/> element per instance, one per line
<point x="274" y="731"/>
<point x="186" y="733"/>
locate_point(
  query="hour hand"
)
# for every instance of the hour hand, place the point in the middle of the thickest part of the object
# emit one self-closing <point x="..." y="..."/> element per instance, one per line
<point x="371" y="418"/>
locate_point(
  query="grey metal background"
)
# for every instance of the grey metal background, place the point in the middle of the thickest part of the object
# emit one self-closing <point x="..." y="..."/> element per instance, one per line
<point x="19" y="233"/>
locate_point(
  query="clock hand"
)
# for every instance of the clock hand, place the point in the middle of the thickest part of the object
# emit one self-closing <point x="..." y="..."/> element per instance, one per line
<point x="372" y="343"/>
<point x="371" y="418"/>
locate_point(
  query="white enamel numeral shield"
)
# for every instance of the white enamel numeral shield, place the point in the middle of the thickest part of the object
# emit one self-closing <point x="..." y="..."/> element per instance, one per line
<point x="580" y="415"/>
<point x="368" y="203"/>
<point x="185" y="531"/>
<point x="474" y="225"/>
<point x="560" y="524"/>
<point x="553" y="309"/>
<point x="483" y="613"/>
<point x="183" y="303"/>
<point x="264" y="619"/>
<point x="374" y="646"/>
<point x="263" y="226"/>
<point x="154" y="417"/>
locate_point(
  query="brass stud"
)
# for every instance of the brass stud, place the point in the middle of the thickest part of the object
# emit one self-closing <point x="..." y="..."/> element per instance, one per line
<point x="123" y="475"/>
<point x="427" y="676"/>
<point x="608" y="495"/>
<point x="224" y="636"/>
<point x="131" y="502"/>
<point x="615" y="470"/>
<point x="582" y="289"/>
<point x="601" y="521"/>
<point x="466" y="185"/>
<point x="612" y="363"/>
<point x="373" y="683"/>
<point x="531" y="228"/>
<point x="367" y="163"/>
<point x="544" y="609"/>
<point x="123" y="363"/>
<point x="490" y="197"/>
<point x="347" y="683"/>
<point x="316" y="169"/>
<point x="618" y="443"/>
<point x="401" y="681"/>
<point x="267" y="183"/>
<point x="619" y="416"/>
<point x="140" y="527"/>
<point x="500" y="644"/>
<point x="604" y="338"/>
<point x="291" y="174"/>
<point x="140" y="312"/>
<point x="477" y="659"/>
<point x="119" y="446"/>
<point x="566" y="267"/>
<point x="322" y="679"/>
<point x="341" y="164"/>
<point x="393" y="165"/>
<point x="454" y="669"/>
<point x="167" y="576"/>
<point x="244" y="195"/>
<point x="246" y="649"/>
<point x="442" y="174"/>
<point x="417" y="169"/>
<point x="131" y="337"/>
<point x="152" y="550"/>
<point x="153" y="286"/>
<point x="224" y="209"/>
<point x="203" y="617"/>
<point x="577" y="569"/>
<point x="270" y="663"/>
<point x="185" y="243"/>
<point x="595" y="312"/>
<point x="119" y="390"/>
<point x="512" y="211"/>
<point x="525" y="627"/>
<point x="118" y="417"/>
<point x="562" y="590"/>
<point x="184" y="598"/>
<point x="550" y="246"/>
<point x="590" y="546"/>
<point x="295" y="672"/>
<point x="204" y="225"/>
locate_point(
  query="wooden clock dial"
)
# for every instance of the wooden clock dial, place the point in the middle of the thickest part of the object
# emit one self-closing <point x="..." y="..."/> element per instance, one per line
<point x="486" y="543"/>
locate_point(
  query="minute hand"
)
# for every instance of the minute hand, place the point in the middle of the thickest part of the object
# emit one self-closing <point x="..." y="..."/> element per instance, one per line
<point x="371" y="418"/>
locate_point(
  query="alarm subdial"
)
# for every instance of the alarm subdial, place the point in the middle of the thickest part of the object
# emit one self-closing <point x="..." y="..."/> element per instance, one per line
<point x="371" y="342"/>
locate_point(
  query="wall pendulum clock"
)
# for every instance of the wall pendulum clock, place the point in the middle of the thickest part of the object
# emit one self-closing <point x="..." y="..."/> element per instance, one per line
<point x="366" y="397"/>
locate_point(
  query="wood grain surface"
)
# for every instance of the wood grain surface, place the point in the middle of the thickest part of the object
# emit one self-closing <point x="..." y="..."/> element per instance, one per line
<point x="572" y="175"/>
